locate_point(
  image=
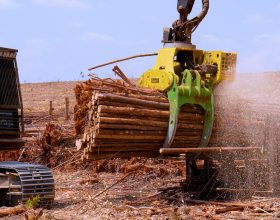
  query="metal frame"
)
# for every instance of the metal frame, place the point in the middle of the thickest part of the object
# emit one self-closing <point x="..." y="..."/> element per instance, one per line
<point x="190" y="92"/>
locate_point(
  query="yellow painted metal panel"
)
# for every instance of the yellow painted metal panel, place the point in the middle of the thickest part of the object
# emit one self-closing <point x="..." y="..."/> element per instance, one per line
<point x="157" y="79"/>
<point x="226" y="63"/>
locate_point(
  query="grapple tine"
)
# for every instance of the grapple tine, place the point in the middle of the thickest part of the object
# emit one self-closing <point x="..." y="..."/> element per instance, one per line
<point x="190" y="92"/>
<point x="208" y="124"/>
<point x="173" y="123"/>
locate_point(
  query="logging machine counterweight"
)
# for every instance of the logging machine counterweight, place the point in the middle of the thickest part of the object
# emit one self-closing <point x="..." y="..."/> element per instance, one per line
<point x="18" y="181"/>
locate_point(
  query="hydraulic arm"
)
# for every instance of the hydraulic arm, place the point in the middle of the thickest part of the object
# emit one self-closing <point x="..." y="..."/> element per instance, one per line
<point x="186" y="74"/>
<point x="183" y="27"/>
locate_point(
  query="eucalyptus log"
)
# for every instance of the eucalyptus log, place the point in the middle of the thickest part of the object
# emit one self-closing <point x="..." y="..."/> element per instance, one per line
<point x="132" y="122"/>
<point x="129" y="127"/>
<point x="122" y="99"/>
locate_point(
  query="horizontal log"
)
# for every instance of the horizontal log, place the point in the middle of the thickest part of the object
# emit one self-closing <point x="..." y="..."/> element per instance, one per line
<point x="191" y="118"/>
<point x="116" y="98"/>
<point x="131" y="122"/>
<point x="176" y="151"/>
<point x="120" y="104"/>
<point x="129" y="132"/>
<point x="184" y="109"/>
<point x="130" y="137"/>
<point x="146" y="137"/>
<point x="12" y="210"/>
<point x="129" y="127"/>
<point x="160" y="97"/>
<point x="133" y="111"/>
<point x="136" y="133"/>
<point x="147" y="121"/>
<point x="112" y="140"/>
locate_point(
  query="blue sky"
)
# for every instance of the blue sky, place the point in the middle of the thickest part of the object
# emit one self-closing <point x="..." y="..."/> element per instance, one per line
<point x="58" y="39"/>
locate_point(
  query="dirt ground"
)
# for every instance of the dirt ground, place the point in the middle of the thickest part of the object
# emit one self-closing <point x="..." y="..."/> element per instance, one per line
<point x="110" y="191"/>
<point x="136" y="198"/>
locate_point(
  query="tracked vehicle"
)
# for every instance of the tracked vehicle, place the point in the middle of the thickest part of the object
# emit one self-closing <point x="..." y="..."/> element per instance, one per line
<point x="18" y="181"/>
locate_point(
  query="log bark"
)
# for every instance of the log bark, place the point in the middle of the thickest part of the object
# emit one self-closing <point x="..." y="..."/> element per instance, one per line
<point x="129" y="112"/>
<point x="132" y="122"/>
<point x="129" y="127"/>
<point x="229" y="209"/>
<point x="134" y="101"/>
<point x="12" y="210"/>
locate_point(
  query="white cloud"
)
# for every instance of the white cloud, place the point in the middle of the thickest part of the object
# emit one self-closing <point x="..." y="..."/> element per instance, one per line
<point x="269" y="38"/>
<point x="212" y="41"/>
<point x="7" y="4"/>
<point x="98" y="37"/>
<point x="263" y="55"/>
<point x="210" y="38"/>
<point x="255" y="62"/>
<point x="257" y="20"/>
<point x="37" y="47"/>
<point x="149" y="18"/>
<point x="138" y="43"/>
<point x="76" y="24"/>
<point x="4" y="43"/>
<point x="78" y="4"/>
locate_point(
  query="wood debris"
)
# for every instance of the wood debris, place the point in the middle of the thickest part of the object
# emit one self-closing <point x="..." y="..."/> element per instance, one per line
<point x="12" y="210"/>
<point x="239" y="122"/>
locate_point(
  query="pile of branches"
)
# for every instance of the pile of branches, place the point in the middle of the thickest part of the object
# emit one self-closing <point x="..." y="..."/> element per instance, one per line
<point x="53" y="134"/>
<point x="52" y="147"/>
<point x="9" y="156"/>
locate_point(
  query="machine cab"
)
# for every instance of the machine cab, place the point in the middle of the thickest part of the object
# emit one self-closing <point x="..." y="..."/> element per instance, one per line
<point x="10" y="102"/>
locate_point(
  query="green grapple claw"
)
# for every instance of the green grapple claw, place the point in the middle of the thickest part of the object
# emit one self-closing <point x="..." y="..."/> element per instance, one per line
<point x="190" y="92"/>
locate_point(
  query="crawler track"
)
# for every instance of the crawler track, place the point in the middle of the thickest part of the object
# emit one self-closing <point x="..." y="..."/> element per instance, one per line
<point x="21" y="181"/>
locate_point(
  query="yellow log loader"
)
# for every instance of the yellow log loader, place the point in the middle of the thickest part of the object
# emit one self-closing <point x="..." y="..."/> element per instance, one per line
<point x="188" y="77"/>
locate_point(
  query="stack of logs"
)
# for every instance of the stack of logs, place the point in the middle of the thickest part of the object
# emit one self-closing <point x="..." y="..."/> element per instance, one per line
<point x="122" y="121"/>
<point x="114" y="119"/>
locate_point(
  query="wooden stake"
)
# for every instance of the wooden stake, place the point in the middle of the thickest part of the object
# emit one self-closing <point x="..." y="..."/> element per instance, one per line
<point x="51" y="108"/>
<point x="67" y="108"/>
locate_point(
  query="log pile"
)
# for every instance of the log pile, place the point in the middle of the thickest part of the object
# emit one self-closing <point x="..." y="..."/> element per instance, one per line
<point x="84" y="93"/>
<point x="114" y="119"/>
<point x="123" y="121"/>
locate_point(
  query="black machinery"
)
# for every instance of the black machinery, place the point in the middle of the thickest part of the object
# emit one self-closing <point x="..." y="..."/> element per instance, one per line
<point x="18" y="181"/>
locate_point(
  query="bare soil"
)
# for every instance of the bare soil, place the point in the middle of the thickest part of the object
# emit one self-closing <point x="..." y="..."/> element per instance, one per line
<point x="131" y="187"/>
